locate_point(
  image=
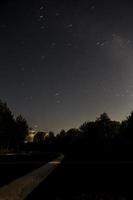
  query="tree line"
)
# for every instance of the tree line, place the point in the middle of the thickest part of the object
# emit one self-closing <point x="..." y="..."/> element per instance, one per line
<point x="100" y="139"/>
<point x="13" y="131"/>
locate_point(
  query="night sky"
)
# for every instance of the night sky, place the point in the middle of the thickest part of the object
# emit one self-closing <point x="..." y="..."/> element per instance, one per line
<point x="63" y="62"/>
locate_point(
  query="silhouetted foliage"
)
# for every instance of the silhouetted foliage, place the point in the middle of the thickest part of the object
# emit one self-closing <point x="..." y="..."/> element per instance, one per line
<point x="99" y="139"/>
<point x="88" y="130"/>
<point x="39" y="137"/>
<point x="12" y="131"/>
<point x="127" y="128"/>
<point x="7" y="126"/>
<point x="96" y="139"/>
<point x="51" y="136"/>
<point x="21" y="130"/>
<point x="73" y="132"/>
<point x="62" y="133"/>
<point x="103" y="126"/>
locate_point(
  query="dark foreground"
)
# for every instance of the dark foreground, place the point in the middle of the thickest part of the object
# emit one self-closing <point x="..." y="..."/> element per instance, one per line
<point x="87" y="181"/>
<point x="15" y="166"/>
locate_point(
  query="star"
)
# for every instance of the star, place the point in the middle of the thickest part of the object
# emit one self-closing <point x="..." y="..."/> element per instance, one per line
<point x="41" y="16"/>
<point x="22" y="42"/>
<point x="69" y="26"/>
<point x="69" y="44"/>
<point x="22" y="69"/>
<point x="57" y="94"/>
<point x="29" y="98"/>
<point x="23" y="84"/>
<point x="3" y="26"/>
<point x="43" y="57"/>
<point x="92" y="7"/>
<point x="129" y="42"/>
<point x="57" y="14"/>
<point x="42" y="7"/>
<point x="53" y="44"/>
<point x="42" y="27"/>
<point x="100" y="44"/>
<point x="58" y="101"/>
<point x="32" y="70"/>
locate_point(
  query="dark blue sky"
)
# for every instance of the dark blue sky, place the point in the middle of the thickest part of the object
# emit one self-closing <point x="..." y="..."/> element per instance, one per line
<point x="63" y="62"/>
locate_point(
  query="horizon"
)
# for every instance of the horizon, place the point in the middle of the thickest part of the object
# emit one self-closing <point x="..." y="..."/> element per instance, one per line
<point x="36" y="128"/>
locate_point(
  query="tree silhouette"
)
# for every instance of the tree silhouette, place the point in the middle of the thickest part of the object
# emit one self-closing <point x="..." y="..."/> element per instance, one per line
<point x="73" y="132"/>
<point x="21" y="131"/>
<point x="100" y="139"/>
<point x="51" y="135"/>
<point x="127" y="128"/>
<point x="50" y="138"/>
<point x="103" y="126"/>
<point x="39" y="137"/>
<point x="7" y="125"/>
<point x="62" y="133"/>
<point x="88" y="130"/>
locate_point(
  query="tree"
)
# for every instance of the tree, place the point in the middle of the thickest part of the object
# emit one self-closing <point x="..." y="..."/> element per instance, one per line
<point x="126" y="129"/>
<point x="21" y="131"/>
<point x="51" y="135"/>
<point x="103" y="126"/>
<point x="39" y="137"/>
<point x="50" y="138"/>
<point x="7" y="125"/>
<point x="73" y="132"/>
<point x="62" y="133"/>
<point x="88" y="130"/>
<point x="104" y="117"/>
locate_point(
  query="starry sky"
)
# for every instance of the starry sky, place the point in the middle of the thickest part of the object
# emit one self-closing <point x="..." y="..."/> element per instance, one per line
<point x="63" y="62"/>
